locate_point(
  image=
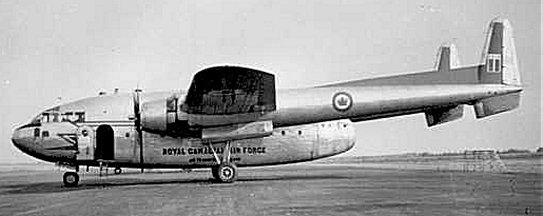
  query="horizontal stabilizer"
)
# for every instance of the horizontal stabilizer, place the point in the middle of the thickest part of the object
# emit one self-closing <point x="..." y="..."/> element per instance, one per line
<point x="495" y="105"/>
<point x="443" y="115"/>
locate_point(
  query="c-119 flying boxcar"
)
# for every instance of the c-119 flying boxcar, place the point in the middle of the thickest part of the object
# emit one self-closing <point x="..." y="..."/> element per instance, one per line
<point x="233" y="116"/>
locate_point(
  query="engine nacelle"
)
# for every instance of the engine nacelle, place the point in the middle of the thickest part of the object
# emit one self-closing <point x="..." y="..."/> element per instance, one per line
<point x="164" y="117"/>
<point x="154" y="116"/>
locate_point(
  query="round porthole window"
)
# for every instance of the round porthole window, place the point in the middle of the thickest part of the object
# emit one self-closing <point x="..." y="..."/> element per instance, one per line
<point x="85" y="133"/>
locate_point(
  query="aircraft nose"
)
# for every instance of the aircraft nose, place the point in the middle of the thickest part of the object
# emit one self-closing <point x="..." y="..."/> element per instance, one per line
<point x="18" y="139"/>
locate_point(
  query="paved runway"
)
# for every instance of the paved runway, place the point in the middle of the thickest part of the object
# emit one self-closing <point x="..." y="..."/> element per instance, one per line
<point x="301" y="189"/>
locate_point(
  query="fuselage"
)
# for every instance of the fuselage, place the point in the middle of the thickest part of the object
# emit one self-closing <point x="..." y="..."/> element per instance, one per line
<point x="308" y="124"/>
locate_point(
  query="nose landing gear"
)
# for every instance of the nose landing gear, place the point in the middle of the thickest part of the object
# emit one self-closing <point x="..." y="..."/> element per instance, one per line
<point x="117" y="170"/>
<point x="70" y="179"/>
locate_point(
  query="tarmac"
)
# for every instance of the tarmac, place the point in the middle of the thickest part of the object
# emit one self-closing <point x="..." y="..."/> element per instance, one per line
<point x="299" y="189"/>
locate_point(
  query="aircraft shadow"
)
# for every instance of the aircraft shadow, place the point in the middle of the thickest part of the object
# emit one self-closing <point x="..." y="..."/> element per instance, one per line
<point x="56" y="187"/>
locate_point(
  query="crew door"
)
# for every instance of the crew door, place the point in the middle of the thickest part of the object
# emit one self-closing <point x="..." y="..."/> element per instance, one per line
<point x="105" y="142"/>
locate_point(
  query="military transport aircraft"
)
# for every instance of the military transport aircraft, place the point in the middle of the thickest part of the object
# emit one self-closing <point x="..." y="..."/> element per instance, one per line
<point x="232" y="116"/>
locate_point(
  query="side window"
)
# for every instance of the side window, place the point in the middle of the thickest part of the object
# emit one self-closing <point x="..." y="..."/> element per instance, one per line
<point x="37" y="132"/>
<point x="45" y="134"/>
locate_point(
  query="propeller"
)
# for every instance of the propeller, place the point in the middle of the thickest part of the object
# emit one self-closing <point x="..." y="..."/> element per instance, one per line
<point x="137" y="123"/>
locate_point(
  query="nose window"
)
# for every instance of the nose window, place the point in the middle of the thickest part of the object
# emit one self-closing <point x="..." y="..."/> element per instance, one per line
<point x="55" y="117"/>
<point x="45" y="134"/>
<point x="37" y="132"/>
<point x="80" y="116"/>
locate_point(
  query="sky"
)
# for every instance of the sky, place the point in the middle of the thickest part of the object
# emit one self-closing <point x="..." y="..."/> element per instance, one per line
<point x="58" y="51"/>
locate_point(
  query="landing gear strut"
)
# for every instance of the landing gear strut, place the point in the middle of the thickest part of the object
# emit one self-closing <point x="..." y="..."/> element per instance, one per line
<point x="70" y="179"/>
<point x="225" y="171"/>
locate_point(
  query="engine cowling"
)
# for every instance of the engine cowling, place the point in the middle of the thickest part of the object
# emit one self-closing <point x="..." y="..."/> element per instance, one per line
<point x="164" y="117"/>
<point x="154" y="116"/>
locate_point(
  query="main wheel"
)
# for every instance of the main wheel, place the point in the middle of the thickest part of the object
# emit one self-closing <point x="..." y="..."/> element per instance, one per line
<point x="70" y="179"/>
<point x="117" y="170"/>
<point x="227" y="172"/>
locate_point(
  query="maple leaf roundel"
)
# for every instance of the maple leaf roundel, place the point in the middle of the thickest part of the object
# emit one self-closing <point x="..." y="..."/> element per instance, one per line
<point x="342" y="101"/>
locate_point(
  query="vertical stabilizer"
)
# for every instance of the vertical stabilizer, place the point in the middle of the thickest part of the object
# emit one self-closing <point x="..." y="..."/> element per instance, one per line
<point x="499" y="57"/>
<point x="499" y="66"/>
<point x="447" y="58"/>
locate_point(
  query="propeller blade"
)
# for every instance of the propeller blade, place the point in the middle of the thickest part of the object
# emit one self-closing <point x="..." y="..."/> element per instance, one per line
<point x="137" y="123"/>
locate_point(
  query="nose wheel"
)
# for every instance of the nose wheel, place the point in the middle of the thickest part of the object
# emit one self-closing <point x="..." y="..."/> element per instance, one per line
<point x="70" y="179"/>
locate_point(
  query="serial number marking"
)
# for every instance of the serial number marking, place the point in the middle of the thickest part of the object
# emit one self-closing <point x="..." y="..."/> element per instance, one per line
<point x="207" y="160"/>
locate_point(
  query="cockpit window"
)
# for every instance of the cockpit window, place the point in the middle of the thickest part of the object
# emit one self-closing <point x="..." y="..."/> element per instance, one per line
<point x="80" y="117"/>
<point x="55" y="117"/>
<point x="51" y="116"/>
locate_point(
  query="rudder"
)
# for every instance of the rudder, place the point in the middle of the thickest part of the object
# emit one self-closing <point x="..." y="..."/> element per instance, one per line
<point x="499" y="57"/>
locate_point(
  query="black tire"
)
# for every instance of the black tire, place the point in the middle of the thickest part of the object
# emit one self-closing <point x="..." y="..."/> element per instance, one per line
<point x="227" y="173"/>
<point x="70" y="179"/>
<point x="117" y="171"/>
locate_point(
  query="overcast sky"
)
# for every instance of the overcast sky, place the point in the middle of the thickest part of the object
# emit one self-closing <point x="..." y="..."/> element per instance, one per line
<point x="74" y="49"/>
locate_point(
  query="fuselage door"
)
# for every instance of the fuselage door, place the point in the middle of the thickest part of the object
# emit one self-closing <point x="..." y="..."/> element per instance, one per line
<point x="85" y="144"/>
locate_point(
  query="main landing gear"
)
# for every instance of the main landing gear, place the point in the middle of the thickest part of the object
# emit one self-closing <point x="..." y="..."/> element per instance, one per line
<point x="225" y="171"/>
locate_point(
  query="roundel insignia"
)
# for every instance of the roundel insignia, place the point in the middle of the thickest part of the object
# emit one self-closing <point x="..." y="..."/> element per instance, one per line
<point x="342" y="101"/>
